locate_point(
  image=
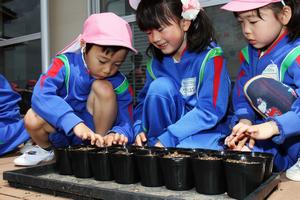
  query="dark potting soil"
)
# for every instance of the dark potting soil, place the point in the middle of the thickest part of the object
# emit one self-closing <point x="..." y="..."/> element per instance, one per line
<point x="85" y="148"/>
<point x="176" y="155"/>
<point x="241" y="162"/>
<point x="208" y="158"/>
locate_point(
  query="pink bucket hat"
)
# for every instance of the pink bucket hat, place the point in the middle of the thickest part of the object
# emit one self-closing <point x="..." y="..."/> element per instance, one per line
<point x="105" y="29"/>
<point x="244" y="5"/>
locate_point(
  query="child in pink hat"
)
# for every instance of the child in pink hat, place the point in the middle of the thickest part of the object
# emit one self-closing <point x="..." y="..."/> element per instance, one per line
<point x="266" y="94"/>
<point x="83" y="95"/>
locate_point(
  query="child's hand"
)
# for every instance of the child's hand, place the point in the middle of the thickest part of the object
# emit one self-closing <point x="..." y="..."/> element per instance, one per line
<point x="158" y="144"/>
<point x="263" y="131"/>
<point x="140" y="139"/>
<point x="241" y="145"/>
<point x="115" y="138"/>
<point x="238" y="133"/>
<point x="85" y="133"/>
<point x="99" y="141"/>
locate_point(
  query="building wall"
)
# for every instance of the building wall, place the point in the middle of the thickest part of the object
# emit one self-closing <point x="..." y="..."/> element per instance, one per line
<point x="66" y="18"/>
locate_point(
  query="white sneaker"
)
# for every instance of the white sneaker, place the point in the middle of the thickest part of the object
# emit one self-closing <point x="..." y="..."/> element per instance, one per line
<point x="28" y="146"/>
<point x="34" y="157"/>
<point x="293" y="173"/>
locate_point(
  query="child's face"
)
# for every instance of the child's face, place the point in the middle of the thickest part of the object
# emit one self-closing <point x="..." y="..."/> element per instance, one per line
<point x="169" y="39"/>
<point x="102" y="65"/>
<point x="260" y="32"/>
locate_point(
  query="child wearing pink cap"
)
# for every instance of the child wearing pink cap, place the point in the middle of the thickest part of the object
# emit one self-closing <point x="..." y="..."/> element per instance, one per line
<point x="186" y="93"/>
<point x="266" y="94"/>
<point x="83" y="96"/>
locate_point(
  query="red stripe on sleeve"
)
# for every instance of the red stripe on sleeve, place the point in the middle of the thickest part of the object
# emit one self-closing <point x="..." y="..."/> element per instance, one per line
<point x="53" y="71"/>
<point x="241" y="74"/>
<point x="56" y="66"/>
<point x="298" y="60"/>
<point x="130" y="107"/>
<point x="218" y="64"/>
<point x="242" y="58"/>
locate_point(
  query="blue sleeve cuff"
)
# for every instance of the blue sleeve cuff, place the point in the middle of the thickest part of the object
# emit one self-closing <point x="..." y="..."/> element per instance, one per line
<point x="167" y="139"/>
<point x="278" y="139"/>
<point x="288" y="124"/>
<point x="137" y="127"/>
<point x="67" y="122"/>
<point x="243" y="113"/>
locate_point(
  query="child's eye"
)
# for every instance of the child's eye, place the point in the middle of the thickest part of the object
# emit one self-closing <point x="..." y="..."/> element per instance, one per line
<point x="117" y="65"/>
<point x="253" y="22"/>
<point x="148" y="32"/>
<point x="160" y="29"/>
<point x="100" y="61"/>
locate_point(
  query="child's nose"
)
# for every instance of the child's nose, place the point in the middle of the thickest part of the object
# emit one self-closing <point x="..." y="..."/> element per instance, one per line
<point x="155" y="36"/>
<point x="107" y="70"/>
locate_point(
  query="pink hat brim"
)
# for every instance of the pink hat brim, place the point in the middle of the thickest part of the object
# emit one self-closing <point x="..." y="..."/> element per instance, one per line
<point x="239" y="6"/>
<point x="113" y="43"/>
<point x="75" y="45"/>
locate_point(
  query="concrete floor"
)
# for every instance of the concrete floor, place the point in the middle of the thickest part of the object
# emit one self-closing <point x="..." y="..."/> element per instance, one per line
<point x="287" y="190"/>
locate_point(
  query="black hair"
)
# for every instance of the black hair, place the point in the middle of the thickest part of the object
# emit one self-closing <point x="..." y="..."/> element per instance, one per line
<point x="106" y="49"/>
<point x="293" y="26"/>
<point x="152" y="14"/>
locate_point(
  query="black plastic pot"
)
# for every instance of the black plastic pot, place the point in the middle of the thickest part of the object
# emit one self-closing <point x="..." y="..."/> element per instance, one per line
<point x="80" y="161"/>
<point x="124" y="167"/>
<point x="63" y="161"/>
<point x="209" y="173"/>
<point x="177" y="171"/>
<point x="269" y="162"/>
<point x="244" y="173"/>
<point x="269" y="158"/>
<point x="149" y="168"/>
<point x="100" y="164"/>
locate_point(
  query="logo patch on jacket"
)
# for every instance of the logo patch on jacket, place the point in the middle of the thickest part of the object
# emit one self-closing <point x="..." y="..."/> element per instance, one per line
<point x="188" y="86"/>
<point x="271" y="71"/>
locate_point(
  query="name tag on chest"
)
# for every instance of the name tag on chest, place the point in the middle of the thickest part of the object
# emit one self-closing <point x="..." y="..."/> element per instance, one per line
<point x="188" y="86"/>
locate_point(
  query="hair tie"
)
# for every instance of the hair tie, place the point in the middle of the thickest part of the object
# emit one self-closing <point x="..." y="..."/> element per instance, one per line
<point x="190" y="9"/>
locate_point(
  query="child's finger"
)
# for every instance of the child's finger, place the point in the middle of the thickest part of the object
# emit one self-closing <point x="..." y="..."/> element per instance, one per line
<point x="116" y="138"/>
<point x="251" y="143"/>
<point x="121" y="139"/>
<point x="138" y="141"/>
<point x="241" y="143"/>
<point x="228" y="139"/>
<point x="109" y="140"/>
<point x="100" y="141"/>
<point x="84" y="136"/>
<point x="93" y="139"/>
<point x="126" y="140"/>
<point x="236" y="128"/>
<point x="232" y="143"/>
<point x="143" y="137"/>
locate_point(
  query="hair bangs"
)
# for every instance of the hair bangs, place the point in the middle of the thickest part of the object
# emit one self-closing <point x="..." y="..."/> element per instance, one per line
<point x="153" y="17"/>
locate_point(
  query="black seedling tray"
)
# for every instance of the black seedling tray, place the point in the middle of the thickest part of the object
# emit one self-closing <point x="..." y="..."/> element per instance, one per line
<point x="45" y="179"/>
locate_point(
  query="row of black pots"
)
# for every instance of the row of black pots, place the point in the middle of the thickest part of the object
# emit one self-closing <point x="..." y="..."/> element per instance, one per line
<point x="211" y="172"/>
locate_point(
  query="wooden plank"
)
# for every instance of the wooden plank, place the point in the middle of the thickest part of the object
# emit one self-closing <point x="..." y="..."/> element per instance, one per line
<point x="8" y="197"/>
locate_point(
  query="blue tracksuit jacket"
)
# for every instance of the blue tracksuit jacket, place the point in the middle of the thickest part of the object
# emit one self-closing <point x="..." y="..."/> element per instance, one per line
<point x="12" y="131"/>
<point x="63" y="103"/>
<point x="183" y="102"/>
<point x="285" y="146"/>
